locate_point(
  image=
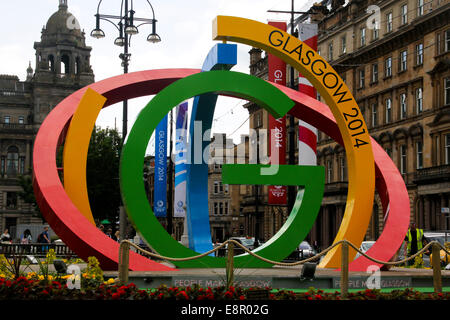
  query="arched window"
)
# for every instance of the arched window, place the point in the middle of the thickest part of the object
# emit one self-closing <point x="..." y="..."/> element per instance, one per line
<point x="78" y="66"/>
<point x="65" y="64"/>
<point x="51" y="62"/>
<point x="12" y="161"/>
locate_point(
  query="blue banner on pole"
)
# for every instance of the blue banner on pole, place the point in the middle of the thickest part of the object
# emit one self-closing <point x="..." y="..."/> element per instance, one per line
<point x="179" y="204"/>
<point x="160" y="192"/>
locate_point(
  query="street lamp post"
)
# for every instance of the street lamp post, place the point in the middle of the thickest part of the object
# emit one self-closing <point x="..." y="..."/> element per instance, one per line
<point x="126" y="29"/>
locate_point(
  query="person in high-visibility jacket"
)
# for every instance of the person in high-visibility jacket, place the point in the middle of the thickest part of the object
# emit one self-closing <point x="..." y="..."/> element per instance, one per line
<point x="414" y="241"/>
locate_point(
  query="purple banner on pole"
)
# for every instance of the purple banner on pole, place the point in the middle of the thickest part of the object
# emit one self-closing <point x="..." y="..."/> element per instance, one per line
<point x="160" y="192"/>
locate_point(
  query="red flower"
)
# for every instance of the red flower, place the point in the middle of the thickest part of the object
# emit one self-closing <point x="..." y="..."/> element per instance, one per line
<point x="115" y="296"/>
<point x="45" y="292"/>
<point x="183" y="295"/>
<point x="228" y="294"/>
<point x="318" y="297"/>
<point x="241" y="298"/>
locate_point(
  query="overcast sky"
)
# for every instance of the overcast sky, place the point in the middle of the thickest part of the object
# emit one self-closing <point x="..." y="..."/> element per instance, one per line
<point x="184" y="26"/>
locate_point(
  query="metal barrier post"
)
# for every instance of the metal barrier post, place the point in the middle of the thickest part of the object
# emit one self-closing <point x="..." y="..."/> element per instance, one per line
<point x="230" y="265"/>
<point x="436" y="263"/>
<point x="124" y="256"/>
<point x="344" y="269"/>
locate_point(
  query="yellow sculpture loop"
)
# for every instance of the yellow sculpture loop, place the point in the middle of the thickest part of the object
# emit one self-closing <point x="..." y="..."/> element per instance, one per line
<point x="361" y="169"/>
<point x="76" y="150"/>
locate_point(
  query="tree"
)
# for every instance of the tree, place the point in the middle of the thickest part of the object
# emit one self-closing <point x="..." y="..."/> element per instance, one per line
<point x="103" y="173"/>
<point x="27" y="194"/>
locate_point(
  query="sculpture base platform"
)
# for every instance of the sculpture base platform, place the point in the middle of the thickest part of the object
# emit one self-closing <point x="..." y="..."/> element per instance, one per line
<point x="284" y="278"/>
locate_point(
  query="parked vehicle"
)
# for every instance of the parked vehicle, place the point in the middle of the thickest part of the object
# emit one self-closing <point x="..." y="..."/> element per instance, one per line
<point x="247" y="242"/>
<point x="303" y="251"/>
<point x="365" y="246"/>
<point x="444" y="239"/>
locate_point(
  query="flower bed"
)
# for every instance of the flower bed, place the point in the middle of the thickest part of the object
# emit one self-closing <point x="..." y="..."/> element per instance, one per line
<point x="31" y="289"/>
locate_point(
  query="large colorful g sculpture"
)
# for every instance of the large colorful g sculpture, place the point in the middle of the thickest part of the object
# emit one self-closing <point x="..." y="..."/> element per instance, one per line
<point x="66" y="208"/>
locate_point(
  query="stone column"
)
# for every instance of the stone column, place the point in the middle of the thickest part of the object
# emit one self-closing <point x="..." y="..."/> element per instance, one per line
<point x="442" y="216"/>
<point x="433" y="213"/>
<point x="28" y="156"/>
<point x="325" y="227"/>
<point x="426" y="213"/>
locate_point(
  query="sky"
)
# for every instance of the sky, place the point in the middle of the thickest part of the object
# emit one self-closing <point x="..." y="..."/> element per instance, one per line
<point x="185" y="28"/>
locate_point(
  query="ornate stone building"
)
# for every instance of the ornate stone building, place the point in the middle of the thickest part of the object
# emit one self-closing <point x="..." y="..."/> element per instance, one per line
<point x="399" y="73"/>
<point x="62" y="67"/>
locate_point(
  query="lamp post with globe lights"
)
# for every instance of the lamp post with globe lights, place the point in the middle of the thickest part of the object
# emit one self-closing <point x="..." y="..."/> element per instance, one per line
<point x="126" y="27"/>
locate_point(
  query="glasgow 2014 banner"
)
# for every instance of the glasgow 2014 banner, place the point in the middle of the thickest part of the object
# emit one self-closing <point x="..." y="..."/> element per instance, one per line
<point x="277" y="127"/>
<point x="160" y="192"/>
<point x="179" y="205"/>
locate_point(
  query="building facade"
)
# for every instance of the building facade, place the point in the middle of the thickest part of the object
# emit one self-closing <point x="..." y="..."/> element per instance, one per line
<point x="62" y="67"/>
<point x="397" y="67"/>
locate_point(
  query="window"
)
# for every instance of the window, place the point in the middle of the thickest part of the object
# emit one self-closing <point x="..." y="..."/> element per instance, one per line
<point x="447" y="40"/>
<point x="12" y="161"/>
<point x="21" y="119"/>
<point x="447" y="91"/>
<point x="388" y="151"/>
<point x="374" y="115"/>
<point x="419" y="54"/>
<point x="329" y="171"/>
<point x="362" y="78"/>
<point x="22" y="165"/>
<point x="388" y="67"/>
<point x="388" y="110"/>
<point x="375" y="73"/>
<point x="419" y="155"/>
<point x="343" y="169"/>
<point x="258" y="120"/>
<point x="363" y="36"/>
<point x="420" y="4"/>
<point x="389" y="22"/>
<point x="403" y="60"/>
<point x="404" y="14"/>
<point x="220" y="208"/>
<point x="343" y="45"/>
<point x="419" y="100"/>
<point x="403" y="106"/>
<point x="218" y="187"/>
<point x="375" y="33"/>
<point x="7" y="119"/>
<point x="226" y="188"/>
<point x="330" y="51"/>
<point x="11" y="200"/>
<point x="403" y="159"/>
<point x="216" y="208"/>
<point x="447" y="148"/>
<point x="3" y="165"/>
<point x="226" y="208"/>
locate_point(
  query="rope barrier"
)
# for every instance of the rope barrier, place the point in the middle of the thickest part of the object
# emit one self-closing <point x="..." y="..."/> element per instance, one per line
<point x="437" y="279"/>
<point x="287" y="264"/>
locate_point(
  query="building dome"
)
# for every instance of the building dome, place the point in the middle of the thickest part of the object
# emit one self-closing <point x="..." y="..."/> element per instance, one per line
<point x="63" y="21"/>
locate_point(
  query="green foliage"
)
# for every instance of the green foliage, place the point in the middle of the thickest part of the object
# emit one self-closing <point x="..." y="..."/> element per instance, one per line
<point x="418" y="262"/>
<point x="103" y="173"/>
<point x="27" y="193"/>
